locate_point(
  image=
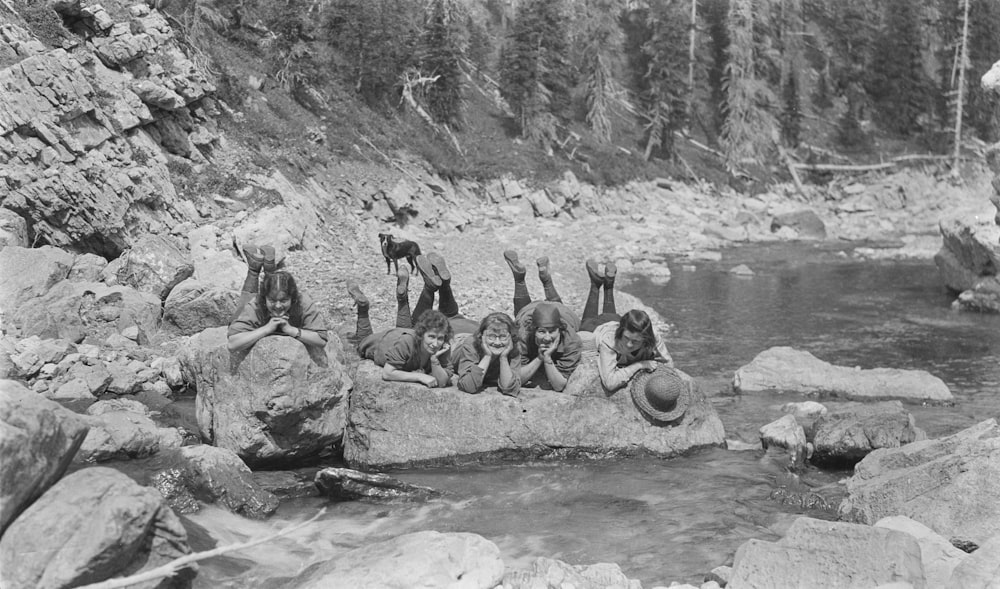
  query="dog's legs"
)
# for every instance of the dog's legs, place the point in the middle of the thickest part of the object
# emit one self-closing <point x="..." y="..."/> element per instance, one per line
<point x="388" y="265"/>
<point x="413" y="264"/>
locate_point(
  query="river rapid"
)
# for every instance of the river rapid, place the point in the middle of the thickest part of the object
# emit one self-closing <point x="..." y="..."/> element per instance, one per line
<point x="673" y="520"/>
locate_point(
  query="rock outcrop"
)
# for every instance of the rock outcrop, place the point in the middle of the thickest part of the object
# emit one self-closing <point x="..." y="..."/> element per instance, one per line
<point x="789" y="370"/>
<point x="38" y="439"/>
<point x="90" y="526"/>
<point x="421" y="559"/>
<point x="948" y="484"/>
<point x="82" y="134"/>
<point x="122" y="434"/>
<point x="276" y="405"/>
<point x="400" y="424"/>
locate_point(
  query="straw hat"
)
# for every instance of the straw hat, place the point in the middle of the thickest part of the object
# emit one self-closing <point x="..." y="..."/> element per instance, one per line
<point x="662" y="395"/>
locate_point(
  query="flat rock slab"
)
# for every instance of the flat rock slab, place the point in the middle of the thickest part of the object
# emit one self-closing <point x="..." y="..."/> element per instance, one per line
<point x="786" y="369"/>
<point x="398" y="424"/>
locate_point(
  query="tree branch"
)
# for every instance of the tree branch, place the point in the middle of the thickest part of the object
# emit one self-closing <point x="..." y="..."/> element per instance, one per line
<point x="173" y="567"/>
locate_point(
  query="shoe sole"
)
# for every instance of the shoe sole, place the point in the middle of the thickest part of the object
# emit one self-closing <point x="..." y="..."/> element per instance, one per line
<point x="355" y="291"/>
<point x="595" y="272"/>
<point x="510" y="256"/>
<point x="269" y="263"/>
<point x="253" y="257"/>
<point x="402" y="281"/>
<point x="610" y="270"/>
<point x="437" y="262"/>
<point x="426" y="270"/>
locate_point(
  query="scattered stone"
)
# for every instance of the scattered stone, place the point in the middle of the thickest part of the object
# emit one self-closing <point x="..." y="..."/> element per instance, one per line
<point x="806" y="410"/>
<point x="806" y="224"/>
<point x="786" y="369"/>
<point x="720" y="574"/>
<point x="288" y="484"/>
<point x="30" y="273"/>
<point x="742" y="270"/>
<point x="784" y="433"/>
<point x="87" y="268"/>
<point x="344" y="484"/>
<point x="979" y="570"/>
<point x="123" y="435"/>
<point x="13" y="229"/>
<point x="196" y="305"/>
<point x="938" y="555"/>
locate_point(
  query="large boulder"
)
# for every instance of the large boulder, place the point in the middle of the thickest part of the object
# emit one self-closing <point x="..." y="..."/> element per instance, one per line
<point x="848" y="434"/>
<point x="93" y="525"/>
<point x="398" y="424"/>
<point x="38" y="439"/>
<point x="805" y="222"/>
<point x="785" y="369"/>
<point x="195" y="305"/>
<point x="155" y="264"/>
<point x="817" y="553"/>
<point x="29" y="273"/>
<point x="13" y="229"/>
<point x="969" y="252"/>
<point x="947" y="484"/>
<point x="77" y="310"/>
<point x="421" y="559"/>
<point x="192" y="475"/>
<point x="276" y="405"/>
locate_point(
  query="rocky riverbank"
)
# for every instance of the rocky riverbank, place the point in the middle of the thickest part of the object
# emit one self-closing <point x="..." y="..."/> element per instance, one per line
<point x="120" y="313"/>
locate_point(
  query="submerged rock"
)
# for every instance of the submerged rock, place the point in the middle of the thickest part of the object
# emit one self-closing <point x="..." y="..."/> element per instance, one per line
<point x="947" y="484"/>
<point x="786" y="369"/>
<point x="344" y="484"/>
<point x="400" y="424"/>
<point x="277" y="406"/>
<point x="93" y="525"/>
<point x="421" y="559"/>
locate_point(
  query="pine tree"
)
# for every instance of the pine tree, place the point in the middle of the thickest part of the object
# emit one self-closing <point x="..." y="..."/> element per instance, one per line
<point x="441" y="57"/>
<point x="897" y="85"/>
<point x="791" y="114"/>
<point x="715" y="13"/>
<point x="534" y="72"/>
<point x="663" y="102"/>
<point x="749" y="126"/>
<point x="377" y="39"/>
<point x="597" y="39"/>
<point x="981" y="112"/>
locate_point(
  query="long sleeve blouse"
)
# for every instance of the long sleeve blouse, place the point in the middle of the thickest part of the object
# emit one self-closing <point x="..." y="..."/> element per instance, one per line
<point x="613" y="360"/>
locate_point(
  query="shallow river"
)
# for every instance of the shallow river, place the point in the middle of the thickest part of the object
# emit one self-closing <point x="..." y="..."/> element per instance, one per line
<point x="673" y="520"/>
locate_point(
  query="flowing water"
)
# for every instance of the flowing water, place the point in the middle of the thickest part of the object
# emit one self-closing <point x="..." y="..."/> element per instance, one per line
<point x="673" y="520"/>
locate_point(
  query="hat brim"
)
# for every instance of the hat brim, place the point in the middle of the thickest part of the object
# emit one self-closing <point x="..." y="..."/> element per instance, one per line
<point x="637" y="388"/>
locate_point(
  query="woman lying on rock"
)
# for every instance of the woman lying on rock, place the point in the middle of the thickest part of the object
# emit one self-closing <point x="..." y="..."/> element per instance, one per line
<point x="550" y="349"/>
<point x="273" y="306"/>
<point x="626" y="345"/>
<point x="490" y="357"/>
<point x="409" y="352"/>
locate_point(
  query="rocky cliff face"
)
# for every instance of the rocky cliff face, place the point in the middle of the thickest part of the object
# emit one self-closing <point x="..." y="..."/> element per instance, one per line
<point x="85" y="131"/>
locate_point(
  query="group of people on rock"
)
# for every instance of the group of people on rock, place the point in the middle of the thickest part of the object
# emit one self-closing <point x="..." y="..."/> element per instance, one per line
<point x="540" y="345"/>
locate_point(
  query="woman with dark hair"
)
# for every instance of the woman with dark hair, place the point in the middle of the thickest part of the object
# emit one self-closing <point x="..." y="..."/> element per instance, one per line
<point x="489" y="357"/>
<point x="550" y="348"/>
<point x="626" y="345"/>
<point x="408" y="352"/>
<point x="277" y="308"/>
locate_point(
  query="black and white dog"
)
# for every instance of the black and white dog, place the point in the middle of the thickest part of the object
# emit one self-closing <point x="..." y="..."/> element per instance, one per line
<point x="393" y="250"/>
